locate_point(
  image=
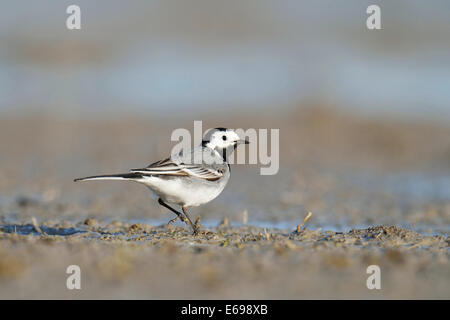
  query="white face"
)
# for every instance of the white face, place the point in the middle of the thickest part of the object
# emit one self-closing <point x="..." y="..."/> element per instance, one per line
<point x="224" y="139"/>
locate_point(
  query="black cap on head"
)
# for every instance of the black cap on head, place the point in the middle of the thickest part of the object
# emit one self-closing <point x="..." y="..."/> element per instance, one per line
<point x="211" y="131"/>
<point x="208" y="134"/>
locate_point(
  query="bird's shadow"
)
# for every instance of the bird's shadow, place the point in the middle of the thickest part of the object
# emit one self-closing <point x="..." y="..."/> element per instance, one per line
<point x="29" y="229"/>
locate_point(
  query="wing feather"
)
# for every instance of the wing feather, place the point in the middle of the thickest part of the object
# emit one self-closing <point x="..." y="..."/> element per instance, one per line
<point x="204" y="173"/>
<point x="170" y="168"/>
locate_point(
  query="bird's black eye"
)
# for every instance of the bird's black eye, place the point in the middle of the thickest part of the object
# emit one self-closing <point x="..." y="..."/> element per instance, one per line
<point x="224" y="138"/>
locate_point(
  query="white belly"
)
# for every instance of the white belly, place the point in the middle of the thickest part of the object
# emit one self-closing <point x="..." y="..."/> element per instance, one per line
<point x="185" y="192"/>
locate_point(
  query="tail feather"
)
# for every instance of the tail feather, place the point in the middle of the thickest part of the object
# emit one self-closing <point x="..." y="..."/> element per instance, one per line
<point x="120" y="176"/>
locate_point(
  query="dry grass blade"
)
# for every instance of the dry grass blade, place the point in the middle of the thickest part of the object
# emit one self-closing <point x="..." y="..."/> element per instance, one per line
<point x="308" y="216"/>
<point x="266" y="234"/>
<point x="244" y="217"/>
<point x="36" y="226"/>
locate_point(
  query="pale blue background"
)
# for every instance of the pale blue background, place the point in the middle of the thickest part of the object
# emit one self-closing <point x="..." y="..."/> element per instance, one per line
<point x="187" y="56"/>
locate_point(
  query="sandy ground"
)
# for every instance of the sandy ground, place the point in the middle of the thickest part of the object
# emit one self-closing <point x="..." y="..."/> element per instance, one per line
<point x="140" y="261"/>
<point x="378" y="190"/>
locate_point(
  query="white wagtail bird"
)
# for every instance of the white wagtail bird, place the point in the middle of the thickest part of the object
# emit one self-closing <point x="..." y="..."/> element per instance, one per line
<point x="190" y="178"/>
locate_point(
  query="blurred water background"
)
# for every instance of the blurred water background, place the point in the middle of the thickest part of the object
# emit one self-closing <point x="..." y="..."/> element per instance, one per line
<point x="178" y="57"/>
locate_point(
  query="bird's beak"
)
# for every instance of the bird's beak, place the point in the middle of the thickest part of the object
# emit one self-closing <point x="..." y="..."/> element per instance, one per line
<point x="242" y="141"/>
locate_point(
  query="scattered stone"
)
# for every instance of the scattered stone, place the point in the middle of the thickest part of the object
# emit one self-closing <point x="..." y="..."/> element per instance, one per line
<point x="224" y="223"/>
<point x="90" y="222"/>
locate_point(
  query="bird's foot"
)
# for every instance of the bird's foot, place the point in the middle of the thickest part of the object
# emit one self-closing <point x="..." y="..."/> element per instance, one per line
<point x="196" y="227"/>
<point x="172" y="220"/>
<point x="182" y="218"/>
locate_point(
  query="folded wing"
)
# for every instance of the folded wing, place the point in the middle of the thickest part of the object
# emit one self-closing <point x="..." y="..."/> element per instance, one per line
<point x="170" y="167"/>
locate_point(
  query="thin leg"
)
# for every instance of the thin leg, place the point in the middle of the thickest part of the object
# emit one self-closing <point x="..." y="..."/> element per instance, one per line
<point x="190" y="221"/>
<point x="179" y="214"/>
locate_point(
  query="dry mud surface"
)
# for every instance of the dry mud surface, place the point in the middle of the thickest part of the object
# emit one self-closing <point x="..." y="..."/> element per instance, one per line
<point x="142" y="261"/>
<point x="378" y="190"/>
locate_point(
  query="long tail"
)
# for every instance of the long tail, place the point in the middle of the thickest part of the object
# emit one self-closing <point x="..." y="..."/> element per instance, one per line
<point x="120" y="176"/>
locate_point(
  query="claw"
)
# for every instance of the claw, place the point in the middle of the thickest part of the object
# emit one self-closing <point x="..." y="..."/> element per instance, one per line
<point x="172" y="220"/>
